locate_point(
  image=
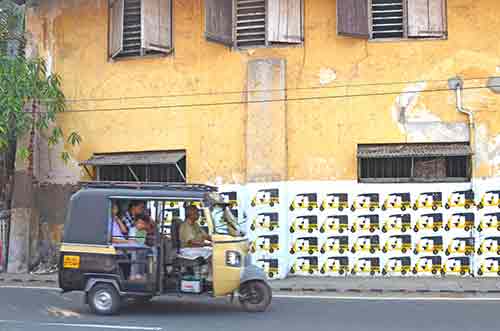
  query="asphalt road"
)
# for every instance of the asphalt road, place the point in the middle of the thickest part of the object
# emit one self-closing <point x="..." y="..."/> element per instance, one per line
<point x="45" y="309"/>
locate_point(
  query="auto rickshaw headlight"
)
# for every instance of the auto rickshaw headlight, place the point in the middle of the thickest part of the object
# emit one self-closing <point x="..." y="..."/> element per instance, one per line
<point x="233" y="259"/>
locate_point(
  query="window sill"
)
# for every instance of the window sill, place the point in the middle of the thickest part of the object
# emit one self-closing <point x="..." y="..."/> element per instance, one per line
<point x="412" y="180"/>
<point x="141" y="57"/>
<point x="247" y="48"/>
<point x="392" y="40"/>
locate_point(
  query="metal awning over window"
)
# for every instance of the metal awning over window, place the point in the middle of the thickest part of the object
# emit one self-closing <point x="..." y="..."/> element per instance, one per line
<point x="413" y="150"/>
<point x="164" y="166"/>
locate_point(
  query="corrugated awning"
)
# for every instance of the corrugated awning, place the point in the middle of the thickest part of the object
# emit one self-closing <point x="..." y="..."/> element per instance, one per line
<point x="142" y="158"/>
<point x="414" y="150"/>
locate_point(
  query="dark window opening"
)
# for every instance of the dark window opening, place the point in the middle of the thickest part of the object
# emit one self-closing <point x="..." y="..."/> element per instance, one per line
<point x="164" y="173"/>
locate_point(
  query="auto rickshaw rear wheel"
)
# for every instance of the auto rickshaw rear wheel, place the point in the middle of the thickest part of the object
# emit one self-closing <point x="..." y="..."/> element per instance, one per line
<point x="255" y="296"/>
<point x="104" y="299"/>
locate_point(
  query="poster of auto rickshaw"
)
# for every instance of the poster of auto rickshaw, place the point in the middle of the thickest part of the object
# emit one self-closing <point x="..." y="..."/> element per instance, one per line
<point x="369" y="223"/>
<point x="429" y="244"/>
<point x="428" y="265"/>
<point x="335" y="244"/>
<point x="460" y="199"/>
<point x="366" y="244"/>
<point x="366" y="266"/>
<point x="307" y="224"/>
<point x="266" y="197"/>
<point x="430" y="222"/>
<point x="335" y="224"/>
<point x="397" y="201"/>
<point x="460" y="246"/>
<point x="265" y="243"/>
<point x="370" y="201"/>
<point x="335" y="266"/>
<point x="490" y="199"/>
<point x="429" y="200"/>
<point x="270" y="266"/>
<point x="397" y="223"/>
<point x="308" y="245"/>
<point x="397" y="266"/>
<point x="489" y="245"/>
<point x="230" y="198"/>
<point x="398" y="243"/>
<point x="308" y="201"/>
<point x="339" y="201"/>
<point x="457" y="265"/>
<point x="305" y="265"/>
<point x="489" y="267"/>
<point x="489" y="222"/>
<point x="265" y="221"/>
<point x="461" y="221"/>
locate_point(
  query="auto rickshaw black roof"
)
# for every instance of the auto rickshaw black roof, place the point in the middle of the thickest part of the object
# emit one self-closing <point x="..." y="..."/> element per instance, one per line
<point x="88" y="211"/>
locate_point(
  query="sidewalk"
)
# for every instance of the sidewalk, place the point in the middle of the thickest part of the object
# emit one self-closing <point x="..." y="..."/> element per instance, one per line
<point x="328" y="284"/>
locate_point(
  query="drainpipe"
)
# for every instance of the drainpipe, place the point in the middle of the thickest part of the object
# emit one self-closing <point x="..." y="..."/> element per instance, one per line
<point x="457" y="84"/>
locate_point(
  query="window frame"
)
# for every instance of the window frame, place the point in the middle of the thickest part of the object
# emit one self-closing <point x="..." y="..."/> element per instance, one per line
<point x="145" y="56"/>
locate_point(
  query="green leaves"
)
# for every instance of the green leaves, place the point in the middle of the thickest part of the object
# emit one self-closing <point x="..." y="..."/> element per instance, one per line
<point x="74" y="139"/>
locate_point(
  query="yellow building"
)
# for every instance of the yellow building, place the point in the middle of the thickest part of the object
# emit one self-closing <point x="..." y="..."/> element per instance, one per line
<point x="291" y="91"/>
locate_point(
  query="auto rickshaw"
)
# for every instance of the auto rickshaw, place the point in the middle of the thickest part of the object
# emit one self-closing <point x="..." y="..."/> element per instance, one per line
<point x="269" y="197"/>
<point x="490" y="199"/>
<point x="366" y="222"/>
<point x="336" y="244"/>
<point x="461" y="246"/>
<point x="460" y="199"/>
<point x="370" y="201"/>
<point x="394" y="265"/>
<point x="369" y="265"/>
<point x="270" y="266"/>
<point x="231" y="198"/>
<point x="307" y="201"/>
<point x="397" y="201"/>
<point x="463" y="221"/>
<point x="457" y="265"/>
<point x="400" y="222"/>
<point x="304" y="223"/>
<point x="432" y="244"/>
<point x="336" y="265"/>
<point x="306" y="244"/>
<point x="268" y="221"/>
<point x="489" y="266"/>
<point x="335" y="201"/>
<point x="432" y="200"/>
<point x="266" y="243"/>
<point x="490" y="245"/>
<point x="428" y="264"/>
<point x="489" y="221"/>
<point x="398" y="243"/>
<point x="92" y="261"/>
<point x="432" y="222"/>
<point x="305" y="264"/>
<point x="335" y="223"/>
<point x="366" y="244"/>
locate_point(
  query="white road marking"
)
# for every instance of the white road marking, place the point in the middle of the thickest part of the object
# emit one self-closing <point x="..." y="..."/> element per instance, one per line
<point x="382" y="298"/>
<point x="90" y="326"/>
<point x="32" y="288"/>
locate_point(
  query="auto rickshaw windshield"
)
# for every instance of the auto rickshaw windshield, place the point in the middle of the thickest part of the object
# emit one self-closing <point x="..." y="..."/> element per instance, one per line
<point x="224" y="221"/>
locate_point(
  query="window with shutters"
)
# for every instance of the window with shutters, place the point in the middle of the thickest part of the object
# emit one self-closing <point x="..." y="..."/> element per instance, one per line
<point x="139" y="28"/>
<point x="392" y="19"/>
<point x="254" y="23"/>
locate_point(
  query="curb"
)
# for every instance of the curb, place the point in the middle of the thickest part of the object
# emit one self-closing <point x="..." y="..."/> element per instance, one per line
<point x="380" y="291"/>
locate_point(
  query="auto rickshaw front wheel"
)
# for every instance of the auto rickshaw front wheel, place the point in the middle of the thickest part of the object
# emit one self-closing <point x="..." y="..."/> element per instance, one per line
<point x="104" y="299"/>
<point x="255" y="296"/>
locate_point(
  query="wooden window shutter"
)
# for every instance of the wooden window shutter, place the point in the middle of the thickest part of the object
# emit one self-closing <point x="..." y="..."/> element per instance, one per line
<point x="219" y="21"/>
<point x="426" y="18"/>
<point x="116" y="9"/>
<point x="157" y="25"/>
<point x="352" y="18"/>
<point x="285" y="21"/>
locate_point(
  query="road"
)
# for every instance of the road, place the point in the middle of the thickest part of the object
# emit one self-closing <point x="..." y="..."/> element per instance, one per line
<point x="47" y="310"/>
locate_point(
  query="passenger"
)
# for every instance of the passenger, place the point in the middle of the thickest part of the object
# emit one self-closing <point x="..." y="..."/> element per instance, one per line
<point x="191" y="235"/>
<point x="138" y="236"/>
<point x="119" y="230"/>
<point x="135" y="208"/>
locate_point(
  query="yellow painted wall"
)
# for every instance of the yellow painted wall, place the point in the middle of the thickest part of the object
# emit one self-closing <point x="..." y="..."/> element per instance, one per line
<point x="322" y="133"/>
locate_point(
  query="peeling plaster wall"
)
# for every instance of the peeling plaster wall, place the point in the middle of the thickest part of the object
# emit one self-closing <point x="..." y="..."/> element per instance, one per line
<point x="322" y="134"/>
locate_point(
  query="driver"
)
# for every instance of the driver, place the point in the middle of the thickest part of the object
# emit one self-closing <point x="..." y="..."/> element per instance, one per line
<point x="191" y="234"/>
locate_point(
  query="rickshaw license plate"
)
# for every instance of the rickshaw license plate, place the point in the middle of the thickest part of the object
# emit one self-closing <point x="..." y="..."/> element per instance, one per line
<point x="71" y="262"/>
